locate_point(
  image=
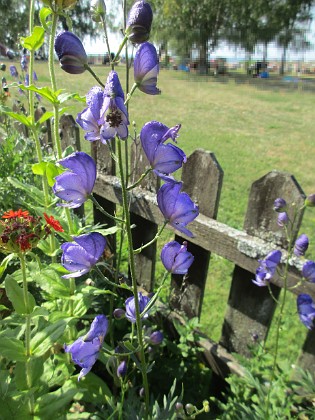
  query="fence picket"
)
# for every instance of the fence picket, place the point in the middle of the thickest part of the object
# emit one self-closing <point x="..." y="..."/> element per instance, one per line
<point x="202" y="179"/>
<point x="251" y="308"/>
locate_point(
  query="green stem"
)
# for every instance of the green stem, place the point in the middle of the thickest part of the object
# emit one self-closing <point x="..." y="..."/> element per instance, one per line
<point x="27" y="329"/>
<point x="100" y="208"/>
<point x="120" y="48"/>
<point x="281" y="311"/>
<point x="106" y="41"/>
<point x="114" y="285"/>
<point x="129" y="95"/>
<point x="156" y="237"/>
<point x="139" y="180"/>
<point x="133" y="277"/>
<point x="88" y="68"/>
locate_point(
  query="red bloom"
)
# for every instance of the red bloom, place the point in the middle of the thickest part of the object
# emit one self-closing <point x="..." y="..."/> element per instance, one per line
<point x="53" y="223"/>
<point x="13" y="214"/>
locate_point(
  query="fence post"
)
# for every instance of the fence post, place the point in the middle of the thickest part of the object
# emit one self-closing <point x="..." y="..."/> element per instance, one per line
<point x="144" y="230"/>
<point x="202" y="178"/>
<point x="251" y="308"/>
<point x="45" y="136"/>
<point x="307" y="357"/>
<point x="105" y="165"/>
<point x="69" y="132"/>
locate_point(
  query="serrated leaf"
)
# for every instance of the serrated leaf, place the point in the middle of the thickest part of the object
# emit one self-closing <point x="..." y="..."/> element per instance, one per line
<point x="16" y="296"/>
<point x="45" y="117"/>
<point x="45" y="92"/>
<point x="32" y="191"/>
<point x="35" y="40"/>
<point x="12" y="349"/>
<point x="51" y="282"/>
<point x="43" y="340"/>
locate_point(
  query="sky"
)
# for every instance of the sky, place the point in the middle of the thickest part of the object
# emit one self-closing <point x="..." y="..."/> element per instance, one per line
<point x="228" y="51"/>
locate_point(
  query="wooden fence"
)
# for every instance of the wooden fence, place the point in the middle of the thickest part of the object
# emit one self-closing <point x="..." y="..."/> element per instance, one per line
<point x="250" y="308"/>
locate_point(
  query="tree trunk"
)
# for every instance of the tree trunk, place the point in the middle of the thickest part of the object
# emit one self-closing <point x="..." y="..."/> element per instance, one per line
<point x="283" y="59"/>
<point x="203" y="57"/>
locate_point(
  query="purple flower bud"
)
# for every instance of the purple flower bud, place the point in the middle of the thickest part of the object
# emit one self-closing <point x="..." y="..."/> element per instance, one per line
<point x="3" y="67"/>
<point x="139" y="22"/>
<point x="175" y="257"/>
<point x="119" y="313"/>
<point x="301" y="245"/>
<point x="177" y="207"/>
<point x="310" y="201"/>
<point x="156" y="338"/>
<point x="75" y="186"/>
<point x="279" y="204"/>
<point x="13" y="71"/>
<point x="163" y="158"/>
<point x="114" y="114"/>
<point x="308" y="271"/>
<point x="267" y="268"/>
<point x="81" y="255"/>
<point x="122" y="369"/>
<point x="283" y="219"/>
<point x="131" y="310"/>
<point x="306" y="310"/>
<point x="85" y="350"/>
<point x="146" y="69"/>
<point x="70" y="52"/>
<point x="24" y="62"/>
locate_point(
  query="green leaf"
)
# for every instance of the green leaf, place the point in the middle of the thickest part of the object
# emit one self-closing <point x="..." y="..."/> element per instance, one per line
<point x="43" y="15"/>
<point x="63" y="97"/>
<point x="45" y="92"/>
<point x="33" y="192"/>
<point x="35" y="40"/>
<point x="51" y="282"/>
<point x="16" y="296"/>
<point x="47" y="168"/>
<point x="43" y="340"/>
<point x="12" y="349"/>
<point x="34" y="366"/>
<point x="45" y="117"/>
<point x="55" y="401"/>
<point x="93" y="387"/>
<point x="18" y="117"/>
<point x="5" y="262"/>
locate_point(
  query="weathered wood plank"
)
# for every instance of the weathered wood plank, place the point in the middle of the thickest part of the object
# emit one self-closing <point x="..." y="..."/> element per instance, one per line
<point x="204" y="188"/>
<point x="69" y="132"/>
<point x="234" y="245"/>
<point x="251" y="308"/>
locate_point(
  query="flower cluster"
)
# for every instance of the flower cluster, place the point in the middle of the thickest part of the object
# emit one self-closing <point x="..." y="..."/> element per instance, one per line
<point x="20" y="231"/>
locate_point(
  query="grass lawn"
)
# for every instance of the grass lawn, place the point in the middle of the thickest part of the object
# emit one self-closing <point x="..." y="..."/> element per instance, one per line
<point x="251" y="129"/>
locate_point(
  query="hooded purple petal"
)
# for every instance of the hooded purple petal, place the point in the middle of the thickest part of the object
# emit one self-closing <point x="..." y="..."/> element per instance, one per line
<point x="80" y="180"/>
<point x="81" y="255"/>
<point x="175" y="257"/>
<point x="267" y="268"/>
<point x="301" y="245"/>
<point x="13" y="71"/>
<point x="306" y="310"/>
<point x="139" y="22"/>
<point x="130" y="307"/>
<point x="308" y="271"/>
<point x="85" y="350"/>
<point x="70" y="52"/>
<point x="146" y="69"/>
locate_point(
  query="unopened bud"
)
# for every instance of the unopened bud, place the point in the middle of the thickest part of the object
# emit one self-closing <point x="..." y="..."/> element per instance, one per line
<point x="156" y="338"/>
<point x="189" y="408"/>
<point x="310" y="201"/>
<point x="279" y="204"/>
<point x="139" y="22"/>
<point x="98" y="9"/>
<point x="119" y="313"/>
<point x="3" y="67"/>
<point x="122" y="369"/>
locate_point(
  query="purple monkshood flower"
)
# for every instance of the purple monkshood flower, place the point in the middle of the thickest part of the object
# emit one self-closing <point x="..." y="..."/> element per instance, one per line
<point x="71" y="53"/>
<point x="139" y="22"/>
<point x="308" y="271"/>
<point x="13" y="71"/>
<point x="175" y="257"/>
<point x="76" y="185"/>
<point x="279" y="204"/>
<point x="24" y="63"/>
<point x="122" y="369"/>
<point x="85" y="350"/>
<point x="267" y="268"/>
<point x="301" y="245"/>
<point x="310" y="201"/>
<point x="131" y="309"/>
<point x="306" y="310"/>
<point x="156" y="338"/>
<point x="82" y="254"/>
<point x="89" y="117"/>
<point x="113" y="114"/>
<point x="177" y="207"/>
<point x="146" y="69"/>
<point x="283" y="219"/>
<point x="163" y="158"/>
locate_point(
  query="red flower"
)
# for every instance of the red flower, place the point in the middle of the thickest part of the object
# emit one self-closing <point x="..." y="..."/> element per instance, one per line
<point x="13" y="214"/>
<point x="53" y="223"/>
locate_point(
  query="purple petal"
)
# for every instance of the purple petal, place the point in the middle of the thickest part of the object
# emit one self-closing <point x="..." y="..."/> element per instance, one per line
<point x="306" y="310"/>
<point x="139" y="22"/>
<point x="168" y="158"/>
<point x="70" y="52"/>
<point x="146" y="68"/>
<point x="93" y="243"/>
<point x="167" y="196"/>
<point x="308" y="271"/>
<point x="151" y="135"/>
<point x="94" y="100"/>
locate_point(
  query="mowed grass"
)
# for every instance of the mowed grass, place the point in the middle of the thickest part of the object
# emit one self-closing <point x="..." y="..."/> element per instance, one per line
<point x="250" y="129"/>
